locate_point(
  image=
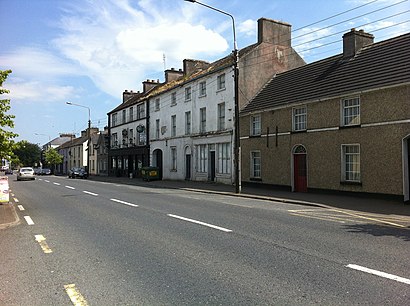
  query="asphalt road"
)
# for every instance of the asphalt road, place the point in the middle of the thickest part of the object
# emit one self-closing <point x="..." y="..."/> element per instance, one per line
<point x="104" y="244"/>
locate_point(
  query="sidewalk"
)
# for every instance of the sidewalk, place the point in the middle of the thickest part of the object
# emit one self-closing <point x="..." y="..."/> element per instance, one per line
<point x="8" y="216"/>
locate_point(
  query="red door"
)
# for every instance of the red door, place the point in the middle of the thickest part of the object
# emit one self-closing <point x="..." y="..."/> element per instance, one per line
<point x="300" y="172"/>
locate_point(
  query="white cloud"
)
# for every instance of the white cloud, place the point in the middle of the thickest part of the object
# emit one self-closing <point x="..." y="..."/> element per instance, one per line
<point x="248" y="27"/>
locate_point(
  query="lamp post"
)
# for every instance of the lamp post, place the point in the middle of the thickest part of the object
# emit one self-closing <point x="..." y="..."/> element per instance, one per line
<point x="88" y="133"/>
<point x="235" y="53"/>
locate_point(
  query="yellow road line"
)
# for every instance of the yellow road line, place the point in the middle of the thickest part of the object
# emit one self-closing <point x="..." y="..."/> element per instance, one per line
<point x="75" y="296"/>
<point x="43" y="244"/>
<point x="367" y="218"/>
<point x="314" y="217"/>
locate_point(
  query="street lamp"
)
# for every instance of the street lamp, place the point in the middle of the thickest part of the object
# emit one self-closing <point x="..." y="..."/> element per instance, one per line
<point x="88" y="133"/>
<point x="236" y="98"/>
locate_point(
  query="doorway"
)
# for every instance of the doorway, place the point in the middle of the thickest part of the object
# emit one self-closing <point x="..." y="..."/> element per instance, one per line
<point x="406" y="168"/>
<point x="157" y="154"/>
<point x="212" y="171"/>
<point x="299" y="169"/>
<point x="188" y="167"/>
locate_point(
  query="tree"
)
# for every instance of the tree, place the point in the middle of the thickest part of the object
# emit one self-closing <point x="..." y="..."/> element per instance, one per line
<point x="52" y="157"/>
<point x="28" y="154"/>
<point x="6" y="136"/>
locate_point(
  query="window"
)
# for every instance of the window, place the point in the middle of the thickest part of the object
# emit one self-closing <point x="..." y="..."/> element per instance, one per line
<point x="224" y="158"/>
<point x="255" y="125"/>
<point x="256" y="164"/>
<point x="124" y="116"/>
<point x="157" y="129"/>
<point x="351" y="163"/>
<point x="157" y="104"/>
<point x="131" y="136"/>
<point x="142" y="138"/>
<point x="114" y="119"/>
<point x="173" y="125"/>
<point x="202" y="120"/>
<point x="174" y="98"/>
<point x="187" y="94"/>
<point x="173" y="159"/>
<point x="140" y="111"/>
<point x="202" y="89"/>
<point x="202" y="157"/>
<point x="220" y="82"/>
<point x="187" y="123"/>
<point x="131" y="114"/>
<point x="299" y="119"/>
<point x="350" y="111"/>
<point x="221" y="116"/>
<point x="114" y="140"/>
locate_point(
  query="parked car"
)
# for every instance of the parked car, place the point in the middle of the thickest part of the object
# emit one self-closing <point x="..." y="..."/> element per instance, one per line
<point x="9" y="171"/>
<point x="25" y="173"/>
<point x="45" y="171"/>
<point x="77" y="172"/>
<point x="37" y="171"/>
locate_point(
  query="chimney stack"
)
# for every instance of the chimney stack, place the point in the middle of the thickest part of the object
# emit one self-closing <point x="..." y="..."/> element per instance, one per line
<point x="172" y="74"/>
<point x="148" y="85"/>
<point x="354" y="40"/>
<point x="274" y="32"/>
<point x="191" y="66"/>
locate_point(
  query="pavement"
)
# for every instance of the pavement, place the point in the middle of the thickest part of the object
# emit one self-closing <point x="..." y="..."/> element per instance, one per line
<point x="359" y="204"/>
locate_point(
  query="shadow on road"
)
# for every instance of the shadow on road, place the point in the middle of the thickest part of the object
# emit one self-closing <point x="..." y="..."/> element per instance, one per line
<point x="378" y="230"/>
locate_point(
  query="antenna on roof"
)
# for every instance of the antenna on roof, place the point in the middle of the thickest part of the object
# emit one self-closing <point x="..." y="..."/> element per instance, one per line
<point x="164" y="60"/>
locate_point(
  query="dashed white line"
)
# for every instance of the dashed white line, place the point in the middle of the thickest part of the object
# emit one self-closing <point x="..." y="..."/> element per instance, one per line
<point x="379" y="273"/>
<point x="69" y="187"/>
<point x="90" y="193"/>
<point x="16" y="200"/>
<point x="201" y="223"/>
<point x="46" y="181"/>
<point x="58" y="184"/>
<point x="29" y="220"/>
<point x="123" y="202"/>
<point x="20" y="207"/>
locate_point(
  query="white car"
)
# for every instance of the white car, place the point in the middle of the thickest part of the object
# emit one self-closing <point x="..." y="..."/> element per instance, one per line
<point x="26" y="173"/>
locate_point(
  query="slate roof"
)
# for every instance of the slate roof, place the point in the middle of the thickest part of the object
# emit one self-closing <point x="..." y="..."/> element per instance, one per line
<point x="377" y="65"/>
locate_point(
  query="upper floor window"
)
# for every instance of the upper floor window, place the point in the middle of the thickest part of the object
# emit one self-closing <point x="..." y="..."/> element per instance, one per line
<point x="221" y="116"/>
<point x="350" y="111"/>
<point x="114" y="119"/>
<point x="124" y="116"/>
<point x="114" y="140"/>
<point x="187" y="123"/>
<point x="173" y="125"/>
<point x="299" y="118"/>
<point x="202" y="89"/>
<point x="142" y="138"/>
<point x="202" y="120"/>
<point x="131" y="114"/>
<point x="255" y="125"/>
<point x="174" y="98"/>
<point x="140" y="111"/>
<point x="188" y="94"/>
<point x="157" y="129"/>
<point x="157" y="104"/>
<point x="220" y="82"/>
<point x="173" y="159"/>
<point x="351" y="163"/>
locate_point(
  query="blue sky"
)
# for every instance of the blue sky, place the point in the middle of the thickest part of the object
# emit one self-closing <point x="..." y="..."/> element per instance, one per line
<point x="90" y="51"/>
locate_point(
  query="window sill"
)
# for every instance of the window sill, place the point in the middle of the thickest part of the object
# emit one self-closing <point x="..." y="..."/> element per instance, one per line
<point x="221" y="89"/>
<point x="355" y="126"/>
<point x="255" y="179"/>
<point x="172" y="105"/>
<point x="298" y="132"/>
<point x="255" y="136"/>
<point x="202" y="96"/>
<point x="351" y="183"/>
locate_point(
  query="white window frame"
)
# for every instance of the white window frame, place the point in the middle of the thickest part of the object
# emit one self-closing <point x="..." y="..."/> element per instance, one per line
<point x="256" y="167"/>
<point x="299" y="118"/>
<point x="221" y="116"/>
<point x="140" y="111"/>
<point x="224" y="158"/>
<point x="188" y="94"/>
<point x="202" y="120"/>
<point x="173" y="98"/>
<point x="256" y="125"/>
<point x="220" y="82"/>
<point x="350" y="111"/>
<point x="157" y="104"/>
<point x="173" y="125"/>
<point x="188" y="123"/>
<point x="131" y="114"/>
<point x="202" y="89"/>
<point x="114" y="118"/>
<point x="173" y="158"/>
<point x="350" y="163"/>
<point x="157" y="129"/>
<point x="142" y="138"/>
<point x="202" y="158"/>
<point x="124" y="116"/>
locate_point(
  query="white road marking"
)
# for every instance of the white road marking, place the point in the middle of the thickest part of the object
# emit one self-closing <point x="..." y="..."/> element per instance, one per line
<point x="69" y="187"/>
<point x="16" y="200"/>
<point x="43" y="244"/>
<point x="75" y="296"/>
<point x="123" y="202"/>
<point x="20" y="207"/>
<point x="29" y="220"/>
<point x="12" y="194"/>
<point x="90" y="193"/>
<point x="201" y="223"/>
<point x="379" y="273"/>
<point x="46" y="181"/>
<point x="58" y="184"/>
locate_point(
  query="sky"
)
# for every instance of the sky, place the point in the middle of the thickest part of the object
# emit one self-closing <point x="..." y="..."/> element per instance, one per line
<point x="89" y="51"/>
